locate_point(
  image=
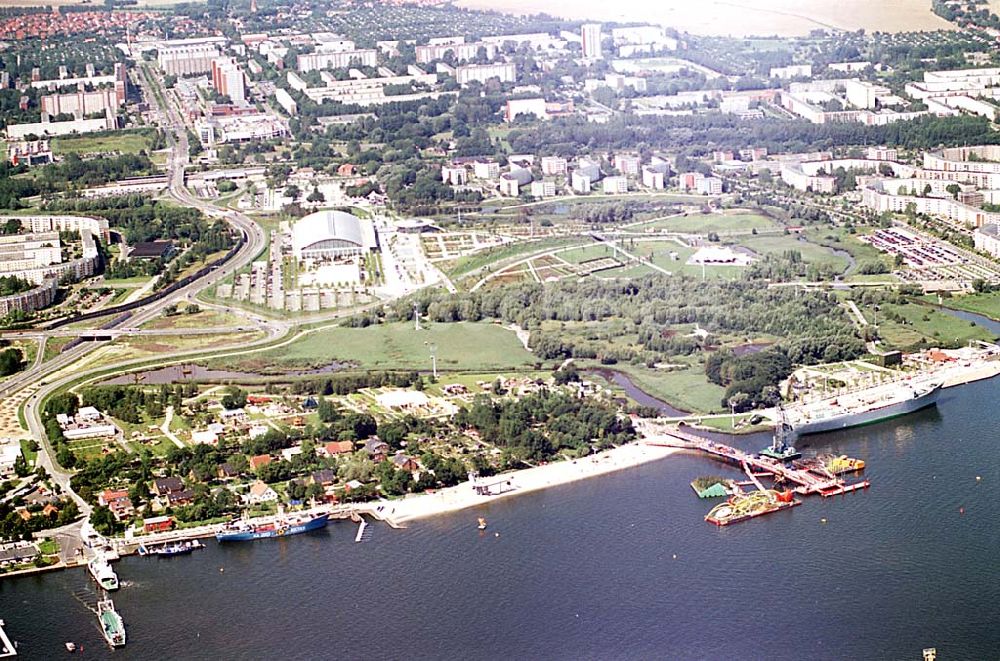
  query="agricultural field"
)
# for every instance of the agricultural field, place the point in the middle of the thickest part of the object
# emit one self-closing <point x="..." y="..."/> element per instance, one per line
<point x="460" y="346"/>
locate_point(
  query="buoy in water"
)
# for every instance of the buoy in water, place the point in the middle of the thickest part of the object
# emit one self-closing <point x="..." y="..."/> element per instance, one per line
<point x="496" y="534"/>
<point x="675" y="556"/>
<point x="979" y="478"/>
<point x="822" y="520"/>
<point x="961" y="510"/>
<point x="222" y="569"/>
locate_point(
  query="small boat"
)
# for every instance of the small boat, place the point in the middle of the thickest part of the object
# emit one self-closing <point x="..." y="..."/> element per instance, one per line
<point x="103" y="573"/>
<point x="482" y="523"/>
<point x="112" y="625"/>
<point x="71" y="647"/>
<point x="170" y="550"/>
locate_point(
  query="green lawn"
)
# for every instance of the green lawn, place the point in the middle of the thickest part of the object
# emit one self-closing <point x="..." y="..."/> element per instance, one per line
<point x="28" y="453"/>
<point x="920" y="323"/>
<point x="465" y="265"/>
<point x="460" y="346"/>
<point x="124" y="143"/>
<point x="713" y="222"/>
<point x="686" y="389"/>
<point x="811" y="252"/>
<point x="987" y="305"/>
<point x="585" y="253"/>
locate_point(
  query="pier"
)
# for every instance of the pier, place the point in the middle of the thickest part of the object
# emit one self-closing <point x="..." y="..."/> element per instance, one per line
<point x="806" y="481"/>
<point x="7" y="648"/>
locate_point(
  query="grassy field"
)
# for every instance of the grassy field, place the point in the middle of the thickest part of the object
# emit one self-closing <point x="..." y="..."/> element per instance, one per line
<point x="811" y="252"/>
<point x="465" y="265"/>
<point x="713" y="222"/>
<point x="460" y="346"/>
<point x="686" y="389"/>
<point x="920" y="323"/>
<point x="123" y="143"/>
<point x="660" y="253"/>
<point x="987" y="305"/>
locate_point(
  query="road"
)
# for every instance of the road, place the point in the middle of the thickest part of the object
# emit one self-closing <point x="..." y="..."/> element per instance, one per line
<point x="255" y="241"/>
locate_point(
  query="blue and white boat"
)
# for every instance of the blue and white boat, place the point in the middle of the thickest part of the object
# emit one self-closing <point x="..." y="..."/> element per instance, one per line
<point x="282" y="525"/>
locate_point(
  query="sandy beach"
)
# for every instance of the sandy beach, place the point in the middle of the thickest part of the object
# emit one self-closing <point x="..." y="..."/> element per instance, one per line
<point x="739" y="18"/>
<point x="462" y="496"/>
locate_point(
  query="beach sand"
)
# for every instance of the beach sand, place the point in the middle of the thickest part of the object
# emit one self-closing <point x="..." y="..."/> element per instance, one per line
<point x="462" y="496"/>
<point x="739" y="18"/>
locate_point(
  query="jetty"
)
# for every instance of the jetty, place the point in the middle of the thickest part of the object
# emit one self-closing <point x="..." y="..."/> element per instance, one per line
<point x="7" y="648"/>
<point x="803" y="481"/>
<point x="361" y="531"/>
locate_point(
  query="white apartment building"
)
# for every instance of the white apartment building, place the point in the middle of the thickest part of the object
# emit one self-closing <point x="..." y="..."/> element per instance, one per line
<point x="505" y="72"/>
<point x="794" y="176"/>
<point x="709" y="186"/>
<point x="187" y="59"/>
<point x="438" y="49"/>
<point x="627" y="164"/>
<point x="543" y="189"/>
<point x="486" y="169"/>
<point x="987" y="239"/>
<point x="616" y="185"/>
<point x="365" y="57"/>
<point x="580" y="182"/>
<point x="590" y="35"/>
<point x="553" y="165"/>
<point x="653" y="178"/>
<point x="456" y="175"/>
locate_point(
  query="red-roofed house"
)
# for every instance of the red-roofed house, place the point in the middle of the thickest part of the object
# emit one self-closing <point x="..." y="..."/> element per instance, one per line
<point x="259" y="460"/>
<point x="334" y="448"/>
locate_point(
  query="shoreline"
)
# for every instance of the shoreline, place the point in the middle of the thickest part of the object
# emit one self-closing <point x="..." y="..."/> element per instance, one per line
<point x="528" y="480"/>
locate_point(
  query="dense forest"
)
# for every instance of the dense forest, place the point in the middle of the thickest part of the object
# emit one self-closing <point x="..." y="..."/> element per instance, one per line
<point x="538" y="425"/>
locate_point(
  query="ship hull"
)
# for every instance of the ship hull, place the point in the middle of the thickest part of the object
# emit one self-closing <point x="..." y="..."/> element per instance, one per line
<point x="874" y="416"/>
<point x="250" y="535"/>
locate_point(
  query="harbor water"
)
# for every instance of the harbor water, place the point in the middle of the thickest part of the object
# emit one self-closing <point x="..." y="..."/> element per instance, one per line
<point x="621" y="566"/>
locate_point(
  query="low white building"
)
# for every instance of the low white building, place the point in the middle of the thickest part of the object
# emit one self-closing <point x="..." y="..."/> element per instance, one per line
<point x="580" y="182"/>
<point x="10" y="450"/>
<point x="709" y="186"/>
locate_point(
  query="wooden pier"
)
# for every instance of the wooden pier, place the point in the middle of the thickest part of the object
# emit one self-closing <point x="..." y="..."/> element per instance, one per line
<point x="806" y="481"/>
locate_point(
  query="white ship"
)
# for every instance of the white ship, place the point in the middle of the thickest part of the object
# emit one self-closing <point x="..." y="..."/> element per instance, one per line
<point x="103" y="573"/>
<point x="864" y="407"/>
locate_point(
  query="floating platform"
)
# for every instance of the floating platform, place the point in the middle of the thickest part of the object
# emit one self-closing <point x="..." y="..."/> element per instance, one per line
<point x="777" y="507"/>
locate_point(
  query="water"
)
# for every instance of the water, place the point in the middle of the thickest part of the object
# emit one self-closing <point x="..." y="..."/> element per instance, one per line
<point x="586" y="571"/>
<point x="639" y="396"/>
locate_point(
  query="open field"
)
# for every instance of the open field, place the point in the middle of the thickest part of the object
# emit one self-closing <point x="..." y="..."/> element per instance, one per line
<point x="712" y="222"/>
<point x="921" y="323"/>
<point x="743" y="18"/>
<point x="987" y="305"/>
<point x="460" y="346"/>
<point x="124" y="143"/>
<point x="687" y="389"/>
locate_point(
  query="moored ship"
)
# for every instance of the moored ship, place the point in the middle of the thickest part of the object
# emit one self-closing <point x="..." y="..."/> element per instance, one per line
<point x="864" y="407"/>
<point x="112" y="625"/>
<point x="281" y="525"/>
<point x="103" y="573"/>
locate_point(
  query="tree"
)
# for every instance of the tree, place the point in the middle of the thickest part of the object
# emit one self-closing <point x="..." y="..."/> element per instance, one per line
<point x="316" y="196"/>
<point x="294" y="192"/>
<point x="12" y="226"/>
